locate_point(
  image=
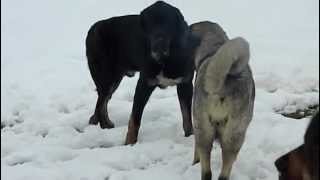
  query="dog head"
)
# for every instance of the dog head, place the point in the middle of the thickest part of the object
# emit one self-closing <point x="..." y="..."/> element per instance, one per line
<point x="292" y="166"/>
<point x="164" y="27"/>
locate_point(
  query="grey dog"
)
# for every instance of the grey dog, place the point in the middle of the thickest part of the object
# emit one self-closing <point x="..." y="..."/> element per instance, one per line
<point x="223" y="98"/>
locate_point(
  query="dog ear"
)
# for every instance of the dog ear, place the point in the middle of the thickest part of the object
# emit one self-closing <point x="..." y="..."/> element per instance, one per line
<point x="183" y="36"/>
<point x="282" y="163"/>
<point x="182" y="24"/>
<point x="142" y="20"/>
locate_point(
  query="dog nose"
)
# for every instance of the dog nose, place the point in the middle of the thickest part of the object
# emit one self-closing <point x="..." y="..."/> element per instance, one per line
<point x="161" y="53"/>
<point x="165" y="53"/>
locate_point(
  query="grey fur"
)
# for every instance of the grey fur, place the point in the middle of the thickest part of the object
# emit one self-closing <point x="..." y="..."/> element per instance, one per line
<point x="223" y="100"/>
<point x="212" y="37"/>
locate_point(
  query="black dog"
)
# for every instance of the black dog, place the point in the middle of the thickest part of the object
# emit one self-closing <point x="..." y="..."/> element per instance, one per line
<point x="158" y="44"/>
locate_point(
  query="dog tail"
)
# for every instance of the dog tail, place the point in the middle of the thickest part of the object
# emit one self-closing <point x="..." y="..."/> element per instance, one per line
<point x="231" y="59"/>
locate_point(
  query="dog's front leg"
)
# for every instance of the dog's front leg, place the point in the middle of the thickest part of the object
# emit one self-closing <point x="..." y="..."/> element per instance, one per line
<point x="185" y="91"/>
<point x="141" y="96"/>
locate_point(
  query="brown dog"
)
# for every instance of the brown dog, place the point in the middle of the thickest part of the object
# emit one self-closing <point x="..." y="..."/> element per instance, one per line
<point x="303" y="162"/>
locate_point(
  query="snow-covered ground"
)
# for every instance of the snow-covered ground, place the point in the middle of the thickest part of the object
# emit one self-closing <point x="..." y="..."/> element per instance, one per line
<point x="47" y="94"/>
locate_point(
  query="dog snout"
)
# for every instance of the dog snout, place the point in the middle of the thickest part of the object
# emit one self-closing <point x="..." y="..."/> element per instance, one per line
<point x="160" y="48"/>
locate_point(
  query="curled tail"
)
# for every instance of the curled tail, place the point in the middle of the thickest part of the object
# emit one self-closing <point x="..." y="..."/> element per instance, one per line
<point x="231" y="58"/>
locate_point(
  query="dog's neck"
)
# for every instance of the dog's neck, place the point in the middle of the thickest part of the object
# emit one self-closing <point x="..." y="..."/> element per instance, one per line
<point x="204" y="58"/>
<point x="209" y="45"/>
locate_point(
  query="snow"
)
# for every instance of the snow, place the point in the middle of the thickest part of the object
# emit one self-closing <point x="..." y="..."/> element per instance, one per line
<point x="47" y="94"/>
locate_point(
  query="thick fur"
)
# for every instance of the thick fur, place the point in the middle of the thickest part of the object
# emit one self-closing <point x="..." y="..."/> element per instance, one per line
<point x="212" y="38"/>
<point x="158" y="44"/>
<point x="223" y="103"/>
<point x="231" y="59"/>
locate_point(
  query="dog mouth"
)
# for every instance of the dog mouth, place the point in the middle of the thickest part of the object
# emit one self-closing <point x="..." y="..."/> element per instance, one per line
<point x="160" y="47"/>
<point x="159" y="55"/>
<point x="155" y="56"/>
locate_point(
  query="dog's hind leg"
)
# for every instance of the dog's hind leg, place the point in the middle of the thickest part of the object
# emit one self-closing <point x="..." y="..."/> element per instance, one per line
<point x="141" y="96"/>
<point x="204" y="151"/>
<point x="196" y="157"/>
<point x="185" y="92"/>
<point x="106" y="82"/>
<point x="101" y="114"/>
<point x="228" y="158"/>
<point x="204" y="136"/>
<point x="95" y="118"/>
<point x="105" y="121"/>
<point x="230" y="148"/>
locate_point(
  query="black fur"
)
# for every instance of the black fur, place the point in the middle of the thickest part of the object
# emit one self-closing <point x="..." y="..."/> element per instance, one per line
<point x="122" y="45"/>
<point x="223" y="178"/>
<point x="312" y="146"/>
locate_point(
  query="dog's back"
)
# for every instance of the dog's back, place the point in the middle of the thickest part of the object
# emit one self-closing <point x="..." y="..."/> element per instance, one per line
<point x="227" y="80"/>
<point x="111" y="37"/>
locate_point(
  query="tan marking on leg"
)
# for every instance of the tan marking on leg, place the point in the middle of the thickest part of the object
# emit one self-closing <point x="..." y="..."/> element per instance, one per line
<point x="133" y="131"/>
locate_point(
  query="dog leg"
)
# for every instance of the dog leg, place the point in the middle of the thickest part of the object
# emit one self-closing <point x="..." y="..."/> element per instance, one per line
<point x="228" y="158"/>
<point x="204" y="135"/>
<point x="94" y="120"/>
<point x="106" y="83"/>
<point x="230" y="149"/>
<point x="141" y="96"/>
<point x="204" y="151"/>
<point x="105" y="122"/>
<point x="196" y="156"/>
<point x="100" y="114"/>
<point x="185" y="92"/>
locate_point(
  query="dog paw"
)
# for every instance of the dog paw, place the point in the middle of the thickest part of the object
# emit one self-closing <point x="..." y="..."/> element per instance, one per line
<point x="93" y="120"/>
<point x="223" y="178"/>
<point x="188" y="133"/>
<point x="106" y="124"/>
<point x="131" y="141"/>
<point x="132" y="134"/>
<point x="206" y="176"/>
<point x="195" y="161"/>
<point x="132" y="138"/>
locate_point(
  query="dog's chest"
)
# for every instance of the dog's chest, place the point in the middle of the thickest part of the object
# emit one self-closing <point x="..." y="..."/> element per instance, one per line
<point x="164" y="81"/>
